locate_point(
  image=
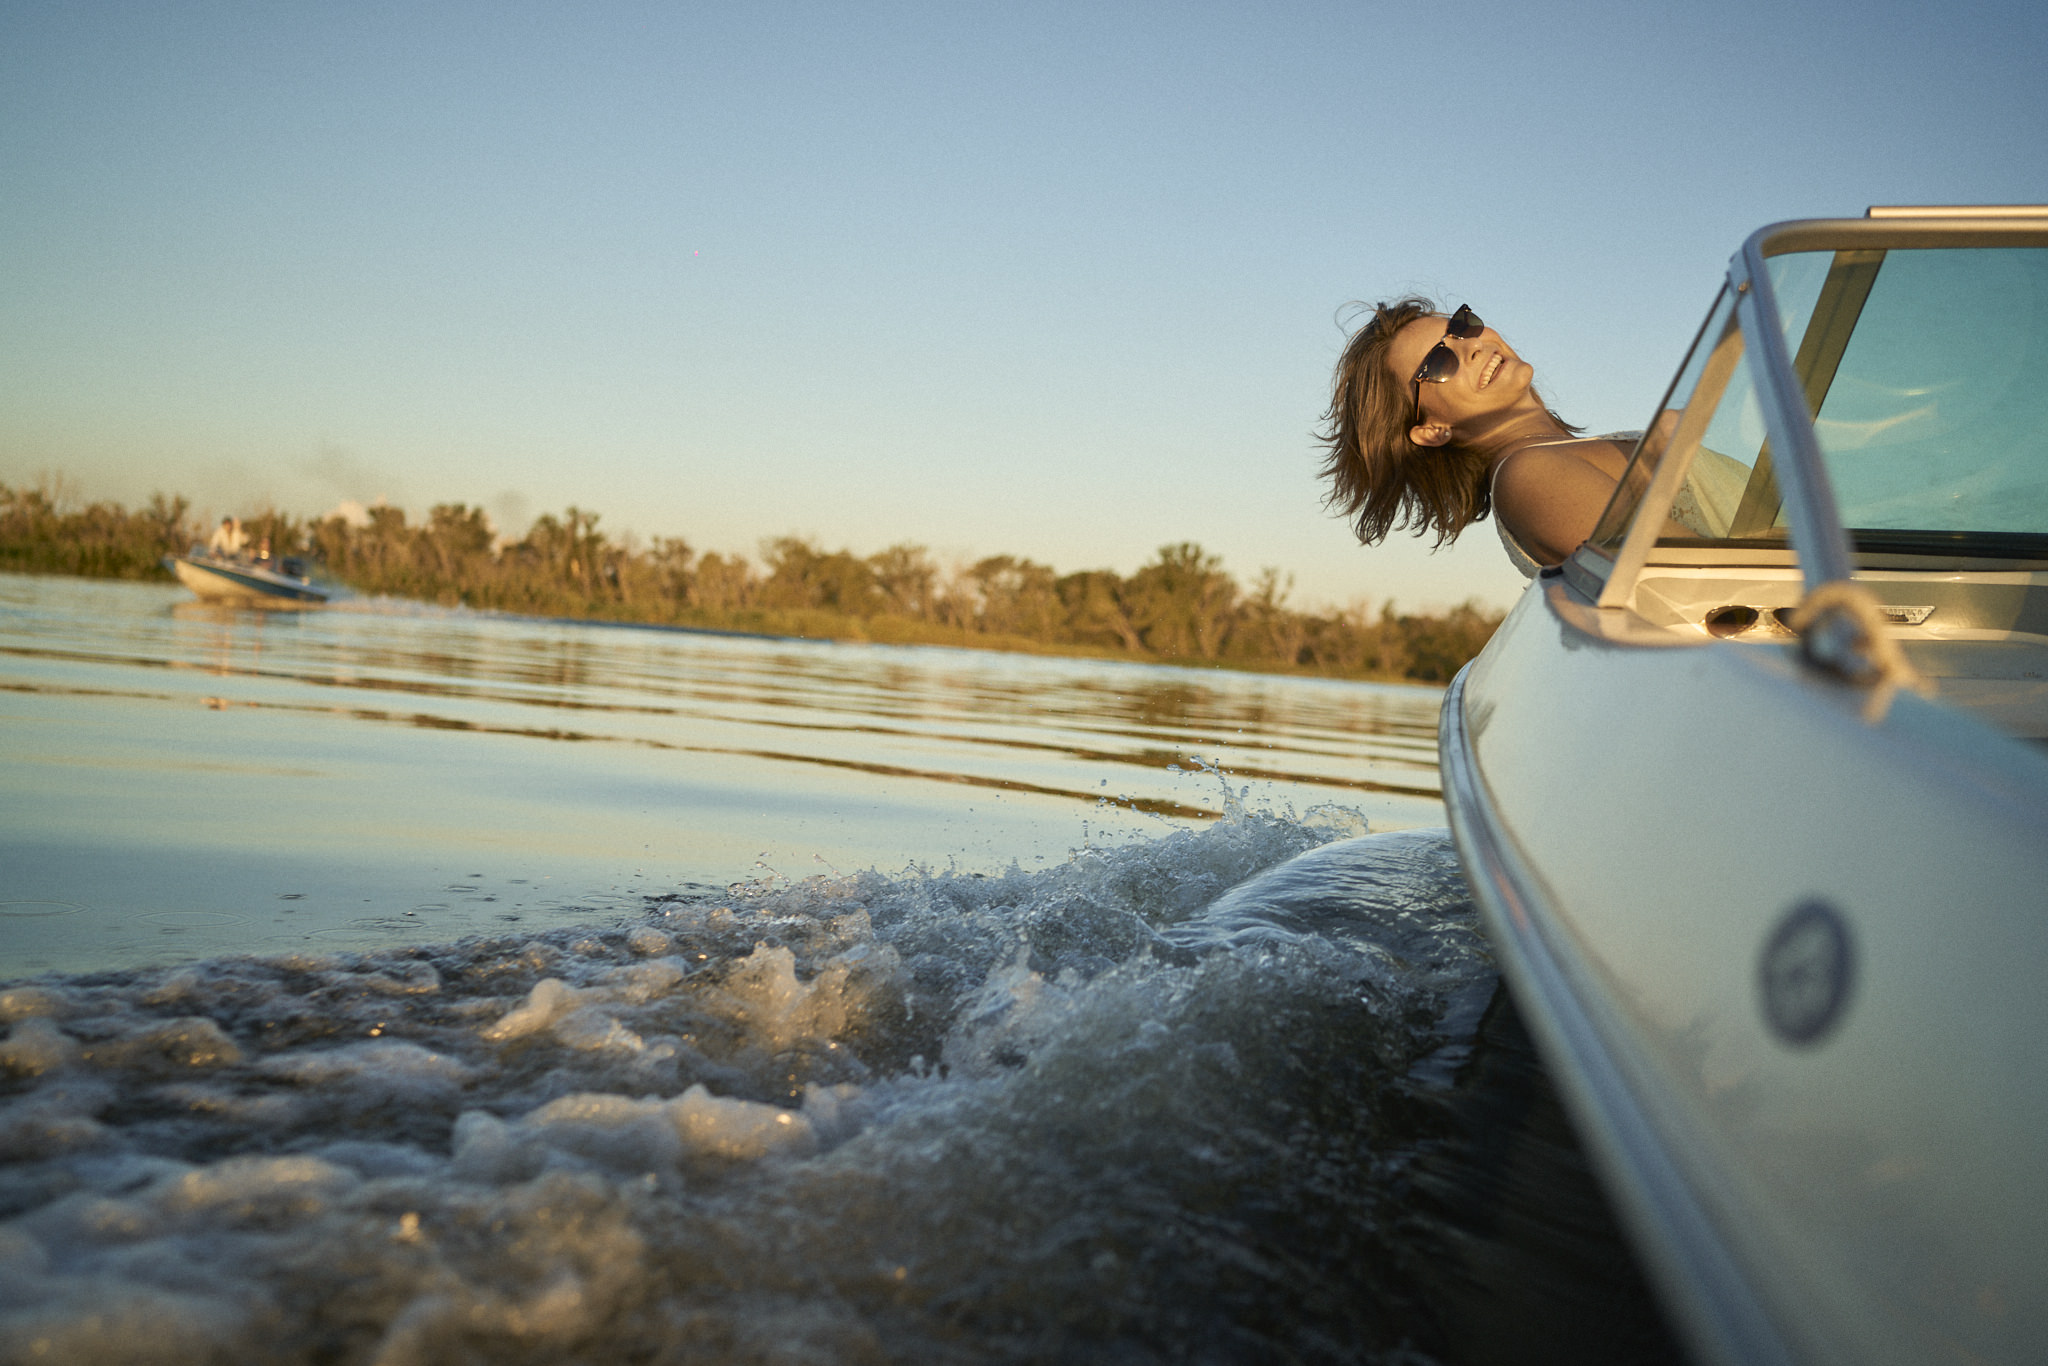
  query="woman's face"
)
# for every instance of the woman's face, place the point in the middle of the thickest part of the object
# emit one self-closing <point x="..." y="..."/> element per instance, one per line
<point x="1490" y="377"/>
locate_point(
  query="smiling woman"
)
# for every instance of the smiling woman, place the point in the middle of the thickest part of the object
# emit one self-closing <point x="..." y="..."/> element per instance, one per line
<point x="1435" y="422"/>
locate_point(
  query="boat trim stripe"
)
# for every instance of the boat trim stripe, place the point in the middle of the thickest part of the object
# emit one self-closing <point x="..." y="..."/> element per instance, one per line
<point x="1705" y="1287"/>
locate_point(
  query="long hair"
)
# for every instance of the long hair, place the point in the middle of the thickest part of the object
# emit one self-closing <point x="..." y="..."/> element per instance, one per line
<point x="1380" y="481"/>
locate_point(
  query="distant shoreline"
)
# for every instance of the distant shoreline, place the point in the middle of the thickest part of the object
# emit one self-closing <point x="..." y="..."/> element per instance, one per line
<point x="1033" y="648"/>
<point x="1180" y="609"/>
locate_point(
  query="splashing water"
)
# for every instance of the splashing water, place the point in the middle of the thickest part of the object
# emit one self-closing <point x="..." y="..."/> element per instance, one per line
<point x="1202" y="1098"/>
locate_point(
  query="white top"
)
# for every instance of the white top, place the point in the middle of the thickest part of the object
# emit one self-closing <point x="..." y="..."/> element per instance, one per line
<point x="227" y="539"/>
<point x="1518" y="557"/>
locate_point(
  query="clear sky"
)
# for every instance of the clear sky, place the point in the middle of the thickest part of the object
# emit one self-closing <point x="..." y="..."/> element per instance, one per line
<point x="1054" y="280"/>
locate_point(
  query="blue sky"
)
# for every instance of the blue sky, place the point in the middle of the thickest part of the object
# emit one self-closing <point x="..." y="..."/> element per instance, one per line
<point x="1055" y="280"/>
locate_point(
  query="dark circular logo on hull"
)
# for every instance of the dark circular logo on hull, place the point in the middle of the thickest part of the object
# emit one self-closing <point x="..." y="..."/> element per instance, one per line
<point x="1806" y="973"/>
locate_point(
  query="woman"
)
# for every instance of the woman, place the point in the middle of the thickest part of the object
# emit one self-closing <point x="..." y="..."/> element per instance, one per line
<point x="1435" y="421"/>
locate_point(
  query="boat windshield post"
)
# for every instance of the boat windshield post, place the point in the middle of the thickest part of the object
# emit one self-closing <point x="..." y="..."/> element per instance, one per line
<point x="1637" y="528"/>
<point x="1605" y="565"/>
<point x="1821" y="545"/>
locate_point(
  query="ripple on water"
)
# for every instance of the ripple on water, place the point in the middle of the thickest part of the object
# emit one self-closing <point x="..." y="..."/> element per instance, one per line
<point x="191" y="920"/>
<point x="37" y="910"/>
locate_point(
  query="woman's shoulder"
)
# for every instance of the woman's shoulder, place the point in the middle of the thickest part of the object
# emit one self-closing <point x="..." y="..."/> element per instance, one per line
<point x="1542" y="460"/>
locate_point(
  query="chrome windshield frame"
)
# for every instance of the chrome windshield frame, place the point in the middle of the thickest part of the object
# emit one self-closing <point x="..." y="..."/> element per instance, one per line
<point x="1818" y="538"/>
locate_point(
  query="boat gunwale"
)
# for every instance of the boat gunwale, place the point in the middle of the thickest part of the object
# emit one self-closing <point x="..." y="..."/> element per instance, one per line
<point x="1702" y="1279"/>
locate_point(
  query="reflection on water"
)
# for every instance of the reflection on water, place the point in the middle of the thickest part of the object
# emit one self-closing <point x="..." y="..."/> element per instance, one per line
<point x="201" y="779"/>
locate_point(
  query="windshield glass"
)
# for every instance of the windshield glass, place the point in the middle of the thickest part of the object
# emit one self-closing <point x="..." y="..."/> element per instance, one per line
<point x="1927" y="371"/>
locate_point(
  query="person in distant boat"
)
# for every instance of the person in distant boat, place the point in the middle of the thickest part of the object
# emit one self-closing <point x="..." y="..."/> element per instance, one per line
<point x="1435" y="422"/>
<point x="227" y="539"/>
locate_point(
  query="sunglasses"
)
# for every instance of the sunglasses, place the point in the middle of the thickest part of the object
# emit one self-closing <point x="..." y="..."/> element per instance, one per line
<point x="1442" y="362"/>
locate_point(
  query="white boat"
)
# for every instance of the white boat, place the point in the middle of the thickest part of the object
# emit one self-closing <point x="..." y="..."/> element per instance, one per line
<point x="279" y="583"/>
<point x="1771" y="887"/>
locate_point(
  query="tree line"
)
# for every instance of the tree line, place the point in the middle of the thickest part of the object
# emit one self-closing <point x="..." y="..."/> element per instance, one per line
<point x="1179" y="607"/>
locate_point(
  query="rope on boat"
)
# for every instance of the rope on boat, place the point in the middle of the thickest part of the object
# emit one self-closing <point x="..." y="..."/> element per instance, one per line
<point x="1842" y="629"/>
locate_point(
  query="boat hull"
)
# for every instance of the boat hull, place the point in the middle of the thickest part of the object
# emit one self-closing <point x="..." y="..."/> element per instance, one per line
<point x="1834" y="1157"/>
<point x="242" y="584"/>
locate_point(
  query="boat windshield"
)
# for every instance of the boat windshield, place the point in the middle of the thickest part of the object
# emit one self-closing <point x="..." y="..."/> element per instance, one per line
<point x="1926" y="370"/>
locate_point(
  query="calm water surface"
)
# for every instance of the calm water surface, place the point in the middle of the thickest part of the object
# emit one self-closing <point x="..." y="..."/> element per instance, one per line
<point x="183" y="780"/>
<point x="408" y="987"/>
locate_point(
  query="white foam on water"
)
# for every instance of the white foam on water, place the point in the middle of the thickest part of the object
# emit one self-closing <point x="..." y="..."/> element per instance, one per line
<point x="1145" y="1105"/>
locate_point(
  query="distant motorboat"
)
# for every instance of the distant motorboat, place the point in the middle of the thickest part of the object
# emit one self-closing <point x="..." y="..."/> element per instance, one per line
<point x="278" y="583"/>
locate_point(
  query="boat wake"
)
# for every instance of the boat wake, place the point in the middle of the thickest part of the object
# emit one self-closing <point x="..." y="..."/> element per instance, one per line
<point x="1210" y="1097"/>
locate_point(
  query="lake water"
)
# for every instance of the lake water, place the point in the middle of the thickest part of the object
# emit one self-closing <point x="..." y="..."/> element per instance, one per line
<point x="400" y="985"/>
<point x="183" y="780"/>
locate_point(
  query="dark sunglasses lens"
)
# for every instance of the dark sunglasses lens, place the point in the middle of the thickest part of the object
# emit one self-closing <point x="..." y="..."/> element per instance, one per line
<point x="1464" y="323"/>
<point x="1439" y="365"/>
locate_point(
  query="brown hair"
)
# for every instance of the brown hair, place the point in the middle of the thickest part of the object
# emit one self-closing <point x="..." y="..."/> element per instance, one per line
<point x="1381" y="481"/>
